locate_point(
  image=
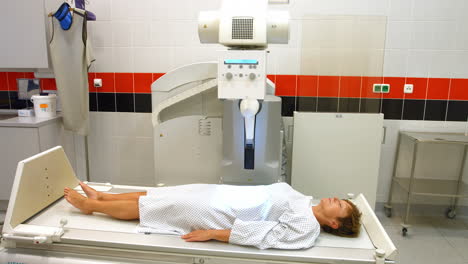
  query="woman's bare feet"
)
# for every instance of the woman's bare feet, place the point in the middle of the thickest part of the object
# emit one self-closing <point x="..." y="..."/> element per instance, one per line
<point x="90" y="192"/>
<point x="77" y="200"/>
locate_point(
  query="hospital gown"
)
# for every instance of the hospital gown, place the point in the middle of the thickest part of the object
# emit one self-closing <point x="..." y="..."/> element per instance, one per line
<point x="265" y="216"/>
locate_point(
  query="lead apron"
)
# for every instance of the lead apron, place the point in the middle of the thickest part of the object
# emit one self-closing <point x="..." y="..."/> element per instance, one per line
<point x="71" y="57"/>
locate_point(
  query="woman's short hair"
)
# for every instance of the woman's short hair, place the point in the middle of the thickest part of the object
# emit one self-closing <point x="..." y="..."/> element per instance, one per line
<point x="349" y="225"/>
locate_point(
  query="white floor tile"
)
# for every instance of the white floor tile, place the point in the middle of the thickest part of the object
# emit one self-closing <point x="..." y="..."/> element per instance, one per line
<point x="451" y="228"/>
<point x="420" y="228"/>
<point x="461" y="246"/>
<point x="434" y="250"/>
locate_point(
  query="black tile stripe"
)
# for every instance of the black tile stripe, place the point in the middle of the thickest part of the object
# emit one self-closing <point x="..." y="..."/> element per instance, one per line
<point x="288" y="105"/>
<point x="413" y="109"/>
<point x="392" y="108"/>
<point x="93" y="102"/>
<point x="143" y="103"/>
<point x="4" y="100"/>
<point x="435" y="110"/>
<point x="125" y="102"/>
<point x="327" y="104"/>
<point x="349" y="105"/>
<point x="16" y="103"/>
<point x="370" y="105"/>
<point x="306" y="104"/>
<point x="457" y="111"/>
<point x="106" y="102"/>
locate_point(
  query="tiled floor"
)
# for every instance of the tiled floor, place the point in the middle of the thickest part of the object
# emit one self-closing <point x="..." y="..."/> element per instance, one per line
<point x="430" y="239"/>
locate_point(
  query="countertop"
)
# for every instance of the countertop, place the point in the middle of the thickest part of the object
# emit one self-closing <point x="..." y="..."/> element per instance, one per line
<point x="20" y="121"/>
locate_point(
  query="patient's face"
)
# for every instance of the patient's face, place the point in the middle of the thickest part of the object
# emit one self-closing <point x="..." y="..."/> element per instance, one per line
<point x="335" y="208"/>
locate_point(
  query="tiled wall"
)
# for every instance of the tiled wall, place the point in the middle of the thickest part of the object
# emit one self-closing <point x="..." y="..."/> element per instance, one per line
<point x="425" y="43"/>
<point x="435" y="99"/>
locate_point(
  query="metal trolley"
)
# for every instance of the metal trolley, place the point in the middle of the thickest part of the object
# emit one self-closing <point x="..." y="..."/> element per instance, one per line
<point x="454" y="189"/>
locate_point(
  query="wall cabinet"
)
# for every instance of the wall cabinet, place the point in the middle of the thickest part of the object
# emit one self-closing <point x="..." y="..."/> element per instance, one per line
<point x="23" y="31"/>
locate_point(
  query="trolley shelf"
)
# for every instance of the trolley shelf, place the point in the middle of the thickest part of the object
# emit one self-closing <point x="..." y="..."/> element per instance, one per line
<point x="433" y="187"/>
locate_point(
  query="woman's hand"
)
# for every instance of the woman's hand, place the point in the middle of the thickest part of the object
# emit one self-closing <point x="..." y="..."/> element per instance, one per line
<point x="198" y="235"/>
<point x="205" y="235"/>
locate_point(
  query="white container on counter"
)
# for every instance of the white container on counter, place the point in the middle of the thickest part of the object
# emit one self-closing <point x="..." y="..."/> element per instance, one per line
<point x="45" y="105"/>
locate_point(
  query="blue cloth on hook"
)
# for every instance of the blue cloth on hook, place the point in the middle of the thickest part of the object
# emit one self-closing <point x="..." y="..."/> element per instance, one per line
<point x="64" y="16"/>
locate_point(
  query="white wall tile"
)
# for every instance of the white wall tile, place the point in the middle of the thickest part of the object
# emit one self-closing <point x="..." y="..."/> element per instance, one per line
<point x="299" y="8"/>
<point x="434" y="9"/>
<point x="125" y="126"/>
<point x="104" y="61"/>
<point x="143" y="59"/>
<point x="460" y="67"/>
<point x="442" y="64"/>
<point x="141" y="33"/>
<point x="174" y="10"/>
<point x="52" y="5"/>
<point x="272" y="60"/>
<point x="144" y="148"/>
<point x="444" y="35"/>
<point x="126" y="174"/>
<point x="127" y="148"/>
<point x="419" y="62"/>
<point x="140" y="10"/>
<point x="121" y="34"/>
<point x="159" y="10"/>
<point x="144" y="126"/>
<point x="122" y="60"/>
<point x="288" y="61"/>
<point x="162" y="34"/>
<point x="185" y="33"/>
<point x="120" y="9"/>
<point x="145" y="173"/>
<point x="101" y="8"/>
<point x="205" y="53"/>
<point x="102" y="34"/>
<point x="400" y="10"/>
<point x="164" y="60"/>
<point x="399" y="34"/>
<point x="395" y="62"/>
<point x="421" y="35"/>
<point x="184" y="56"/>
<point x="461" y="42"/>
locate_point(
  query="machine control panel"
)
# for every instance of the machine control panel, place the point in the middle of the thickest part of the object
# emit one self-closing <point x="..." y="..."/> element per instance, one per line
<point x="239" y="77"/>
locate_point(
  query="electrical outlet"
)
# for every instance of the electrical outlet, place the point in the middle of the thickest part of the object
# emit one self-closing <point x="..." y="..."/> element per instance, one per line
<point x="97" y="83"/>
<point x="377" y="88"/>
<point x="408" y="88"/>
<point x="385" y="88"/>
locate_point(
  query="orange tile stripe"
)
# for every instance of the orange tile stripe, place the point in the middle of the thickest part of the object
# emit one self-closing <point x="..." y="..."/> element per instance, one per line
<point x="286" y="85"/>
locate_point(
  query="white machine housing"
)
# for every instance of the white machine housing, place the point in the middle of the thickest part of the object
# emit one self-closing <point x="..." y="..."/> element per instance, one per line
<point x="244" y="23"/>
<point x="244" y="26"/>
<point x="241" y="74"/>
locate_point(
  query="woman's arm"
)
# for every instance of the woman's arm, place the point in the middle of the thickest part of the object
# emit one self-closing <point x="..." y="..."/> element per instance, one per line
<point x="204" y="235"/>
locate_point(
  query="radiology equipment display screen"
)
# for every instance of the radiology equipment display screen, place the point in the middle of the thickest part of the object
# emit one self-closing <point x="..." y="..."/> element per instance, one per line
<point x="242" y="62"/>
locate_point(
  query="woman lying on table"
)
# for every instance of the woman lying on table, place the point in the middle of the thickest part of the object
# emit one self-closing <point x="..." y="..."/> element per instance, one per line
<point x="264" y="216"/>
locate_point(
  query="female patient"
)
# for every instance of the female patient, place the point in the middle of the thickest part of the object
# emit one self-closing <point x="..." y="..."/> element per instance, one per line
<point x="265" y="216"/>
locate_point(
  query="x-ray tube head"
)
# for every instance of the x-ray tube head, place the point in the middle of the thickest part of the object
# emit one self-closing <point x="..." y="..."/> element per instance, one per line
<point x="244" y="23"/>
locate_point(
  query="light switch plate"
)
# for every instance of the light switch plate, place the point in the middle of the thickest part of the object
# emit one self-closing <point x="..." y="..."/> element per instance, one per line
<point x="408" y="88"/>
<point x="97" y="83"/>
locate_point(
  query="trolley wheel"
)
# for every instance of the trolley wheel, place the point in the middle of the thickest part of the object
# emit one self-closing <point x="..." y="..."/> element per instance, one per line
<point x="388" y="211"/>
<point x="450" y="213"/>
<point x="404" y="230"/>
